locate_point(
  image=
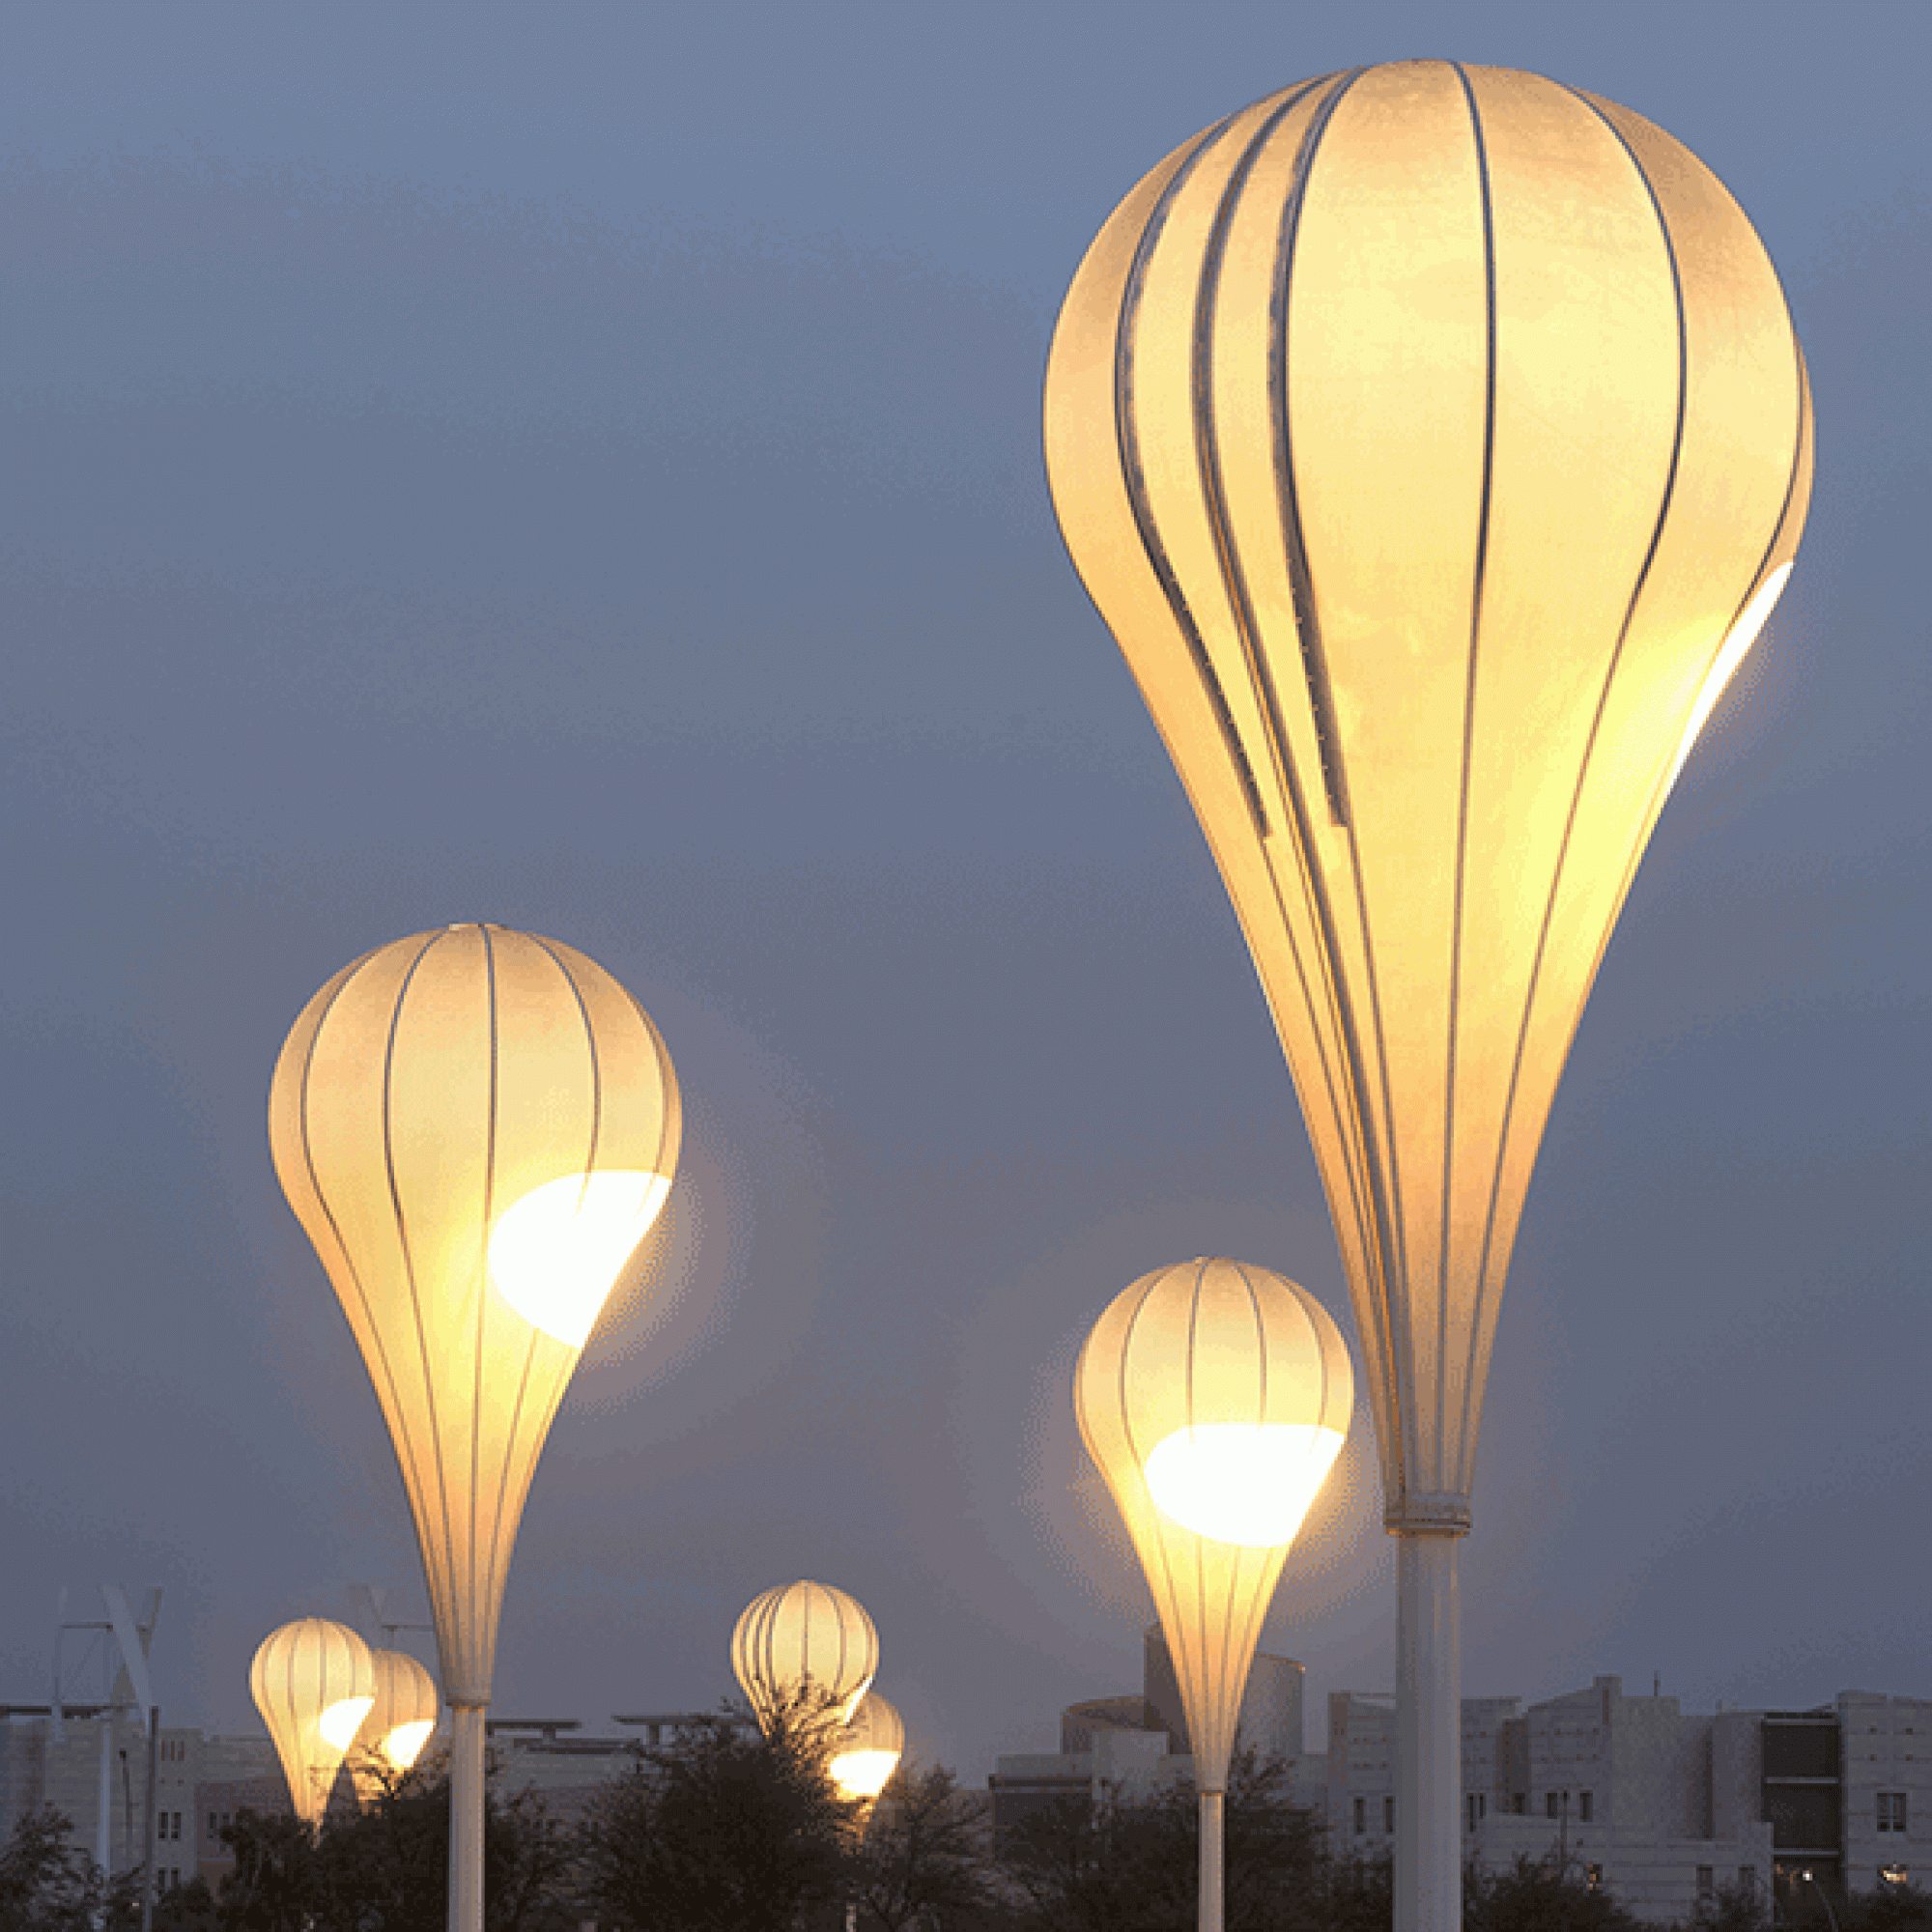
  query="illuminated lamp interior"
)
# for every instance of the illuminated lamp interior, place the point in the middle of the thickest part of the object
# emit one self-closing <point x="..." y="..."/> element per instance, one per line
<point x="1249" y="1483"/>
<point x="1742" y="636"/>
<point x="339" y="1724"/>
<point x="864" y="1774"/>
<point x="556" y="1254"/>
<point x="404" y="1745"/>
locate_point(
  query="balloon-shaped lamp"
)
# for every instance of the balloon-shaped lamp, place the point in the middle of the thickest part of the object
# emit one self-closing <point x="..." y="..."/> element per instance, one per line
<point x="804" y="1639"/>
<point x="1434" y="441"/>
<point x="399" y="1724"/>
<point x="867" y="1750"/>
<point x="475" y="1127"/>
<point x="1213" y="1398"/>
<point x="313" y="1682"/>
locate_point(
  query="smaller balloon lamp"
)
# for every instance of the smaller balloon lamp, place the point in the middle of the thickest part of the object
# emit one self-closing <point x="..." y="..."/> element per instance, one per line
<point x="804" y="1639"/>
<point x="313" y="1682"/>
<point x="869" y="1751"/>
<point x="398" y="1726"/>
<point x="1215" y="1398"/>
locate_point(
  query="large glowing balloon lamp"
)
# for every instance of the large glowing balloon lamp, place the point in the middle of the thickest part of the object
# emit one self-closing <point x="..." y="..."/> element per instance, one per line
<point x="475" y="1127"/>
<point x="313" y="1682"/>
<point x="799" y="1644"/>
<point x="1433" y="440"/>
<point x="1213" y="1398"/>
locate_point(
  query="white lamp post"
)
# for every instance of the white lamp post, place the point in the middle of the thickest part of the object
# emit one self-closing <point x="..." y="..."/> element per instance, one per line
<point x="1215" y="1398"/>
<point x="475" y="1127"/>
<point x="1434" y="441"/>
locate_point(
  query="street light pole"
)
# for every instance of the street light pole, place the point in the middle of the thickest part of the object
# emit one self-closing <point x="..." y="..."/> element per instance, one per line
<point x="475" y="1127"/>
<point x="1213" y="1398"/>
<point x="1434" y="441"/>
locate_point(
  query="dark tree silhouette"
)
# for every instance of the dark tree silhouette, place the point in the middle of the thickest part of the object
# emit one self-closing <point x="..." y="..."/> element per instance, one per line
<point x="924" y="1853"/>
<point x="1540" y="1896"/>
<point x="48" y="1884"/>
<point x="386" y="1868"/>
<point x="726" y="1830"/>
<point x="1133" y="1867"/>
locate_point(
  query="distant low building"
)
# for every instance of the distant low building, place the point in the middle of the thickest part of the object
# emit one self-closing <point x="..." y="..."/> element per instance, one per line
<point x="1128" y="1745"/>
<point x="1658" y="1807"/>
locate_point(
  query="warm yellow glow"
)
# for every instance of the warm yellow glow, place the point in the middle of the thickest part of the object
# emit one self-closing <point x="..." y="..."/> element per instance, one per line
<point x="555" y="1254"/>
<point x="404" y="1745"/>
<point x="339" y="1724"/>
<point x="1744" y="635"/>
<point x="1420" y="509"/>
<point x="864" y="1774"/>
<point x="1250" y="1482"/>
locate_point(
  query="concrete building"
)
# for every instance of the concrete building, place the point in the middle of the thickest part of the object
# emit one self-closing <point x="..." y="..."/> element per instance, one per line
<point x="72" y="1766"/>
<point x="1628" y="1792"/>
<point x="1131" y="1744"/>
<point x="1660" y="1807"/>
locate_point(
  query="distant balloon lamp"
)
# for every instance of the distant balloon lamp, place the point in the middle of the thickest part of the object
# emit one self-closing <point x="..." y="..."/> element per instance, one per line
<point x="313" y="1682"/>
<point x="805" y="1640"/>
<point x="399" y="1724"/>
<point x="1215" y="1398"/>
<point x="869" y="1751"/>
<point x="475" y="1127"/>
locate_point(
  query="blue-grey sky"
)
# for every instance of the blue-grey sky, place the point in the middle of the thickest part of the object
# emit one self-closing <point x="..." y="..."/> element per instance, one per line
<point x="578" y="466"/>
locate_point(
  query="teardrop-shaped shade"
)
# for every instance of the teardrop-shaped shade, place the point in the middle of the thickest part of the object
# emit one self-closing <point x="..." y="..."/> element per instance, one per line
<point x="400" y="1722"/>
<point x="804" y="1639"/>
<point x="869" y="1751"/>
<point x="313" y="1682"/>
<point x="475" y="1127"/>
<point x="1432" y="440"/>
<point x="1213" y="1398"/>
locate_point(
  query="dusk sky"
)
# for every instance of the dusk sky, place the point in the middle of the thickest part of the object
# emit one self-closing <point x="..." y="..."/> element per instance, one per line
<point x="579" y="466"/>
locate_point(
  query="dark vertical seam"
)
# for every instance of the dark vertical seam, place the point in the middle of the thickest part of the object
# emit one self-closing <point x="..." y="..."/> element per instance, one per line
<point x="409" y="1261"/>
<point x="1483" y="1287"/>
<point x="1375" y="1229"/>
<point x="1133" y="476"/>
<point x="1207" y="448"/>
<point x="1300" y="579"/>
<point x="381" y="1364"/>
<point x="1458" y="913"/>
<point x="482" y="1305"/>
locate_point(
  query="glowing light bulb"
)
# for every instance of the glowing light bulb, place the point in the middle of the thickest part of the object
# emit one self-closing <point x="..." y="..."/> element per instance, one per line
<point x="864" y="1774"/>
<point x="556" y="1254"/>
<point x="404" y="1745"/>
<point x="339" y="1724"/>
<point x="1249" y="1483"/>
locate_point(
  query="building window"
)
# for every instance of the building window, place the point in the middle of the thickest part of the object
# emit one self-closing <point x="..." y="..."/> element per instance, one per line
<point x="1593" y="1877"/>
<point x="1520" y="1802"/>
<point x="1476" y="1804"/>
<point x="1583" y="1808"/>
<point x="1388" y="1814"/>
<point x="1891" y="1810"/>
<point x="1550" y="1802"/>
<point x="1361" y="1816"/>
<point x="1707" y="1882"/>
<point x="1892" y="1875"/>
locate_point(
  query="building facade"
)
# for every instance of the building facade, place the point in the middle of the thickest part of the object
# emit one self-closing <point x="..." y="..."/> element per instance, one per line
<point x="1664" y="1810"/>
